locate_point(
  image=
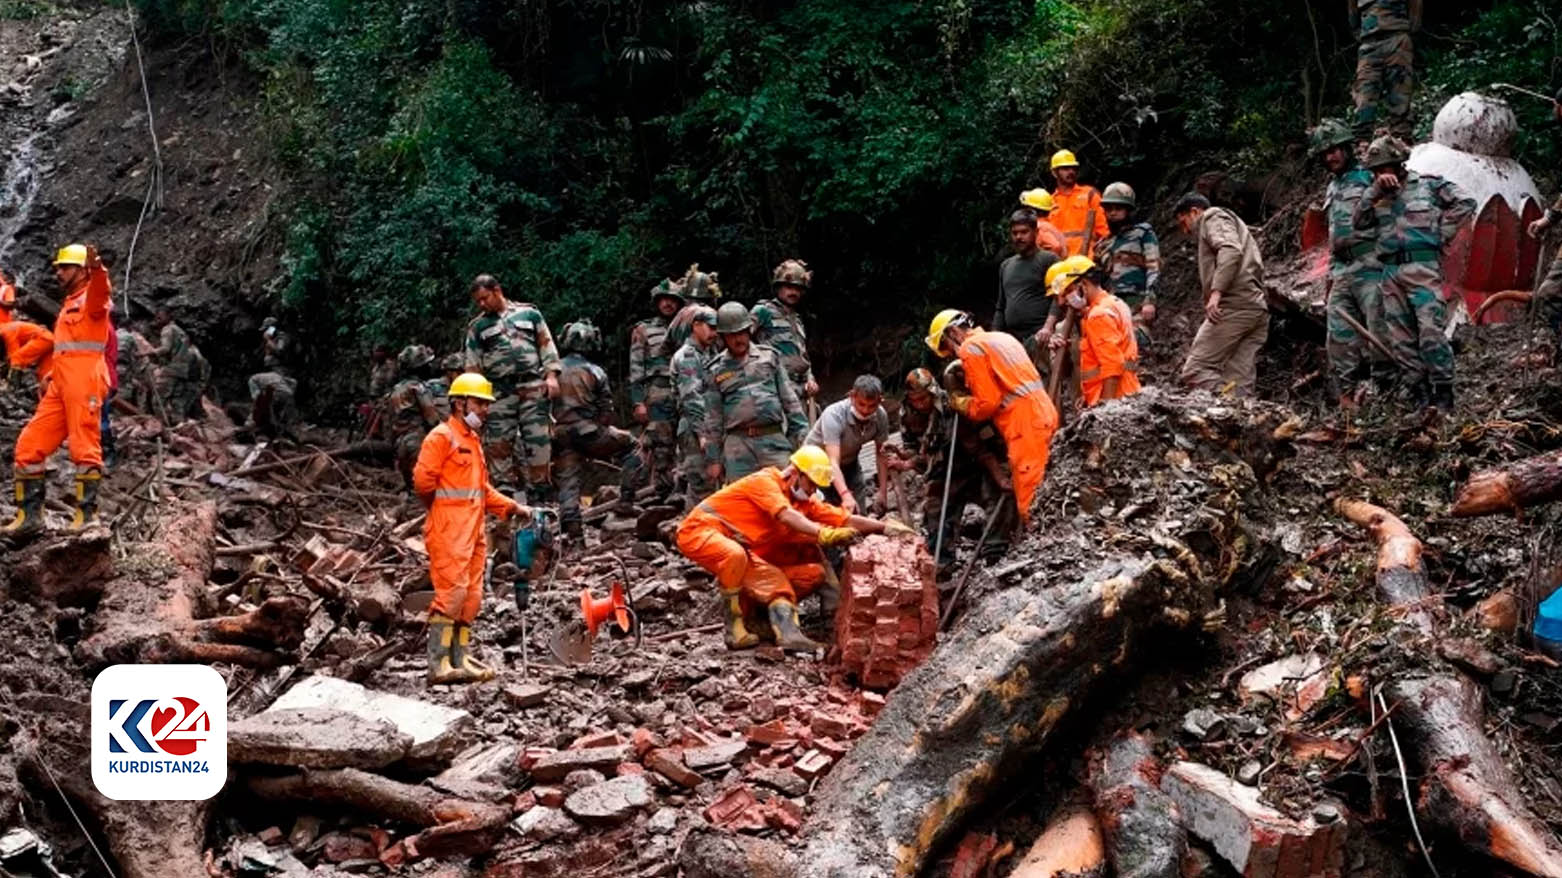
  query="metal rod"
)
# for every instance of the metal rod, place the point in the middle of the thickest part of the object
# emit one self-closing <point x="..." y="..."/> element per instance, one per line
<point x="949" y="477"/>
<point x="1522" y="90"/>
<point x="954" y="597"/>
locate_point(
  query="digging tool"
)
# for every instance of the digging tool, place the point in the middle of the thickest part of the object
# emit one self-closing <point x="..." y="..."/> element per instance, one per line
<point x="965" y="575"/>
<point x="949" y="478"/>
<point x="1055" y="376"/>
<point x="533" y="544"/>
<point x="1521" y="90"/>
<point x="1376" y="342"/>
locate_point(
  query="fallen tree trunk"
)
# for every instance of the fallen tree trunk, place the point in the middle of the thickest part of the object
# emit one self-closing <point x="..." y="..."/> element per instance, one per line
<point x="374" y="448"/>
<point x="455" y="826"/>
<point x="1515" y="487"/>
<point x="1143" y="837"/>
<point x="141" y="622"/>
<point x="1466" y="789"/>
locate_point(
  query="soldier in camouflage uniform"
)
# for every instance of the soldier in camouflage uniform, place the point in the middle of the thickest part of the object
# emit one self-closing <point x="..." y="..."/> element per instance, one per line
<point x="1548" y="296"/>
<point x="1131" y="258"/>
<point x="753" y="418"/>
<point x="449" y="367"/>
<point x="411" y="409"/>
<point x="699" y="289"/>
<point x="271" y="392"/>
<point x="181" y="371"/>
<point x="509" y="344"/>
<point x="135" y="378"/>
<point x="583" y="421"/>
<point x="778" y="325"/>
<point x="651" y="394"/>
<point x="382" y="371"/>
<point x="688" y="370"/>
<point x="1355" y="277"/>
<point x="1385" y="62"/>
<point x="1414" y="217"/>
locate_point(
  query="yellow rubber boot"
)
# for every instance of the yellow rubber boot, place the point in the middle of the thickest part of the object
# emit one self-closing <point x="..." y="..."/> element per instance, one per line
<point x="473" y="670"/>
<point x="29" y="508"/>
<point x="441" y="643"/>
<point x="736" y="632"/>
<point x="789" y="634"/>
<point x="86" y="499"/>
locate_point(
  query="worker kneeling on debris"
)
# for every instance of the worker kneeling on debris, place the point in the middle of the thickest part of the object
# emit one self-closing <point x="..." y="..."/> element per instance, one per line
<point x="761" y="537"/>
<point x="451" y="478"/>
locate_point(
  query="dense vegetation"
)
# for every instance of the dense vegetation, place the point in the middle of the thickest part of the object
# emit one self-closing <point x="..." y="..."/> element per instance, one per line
<point x="581" y="151"/>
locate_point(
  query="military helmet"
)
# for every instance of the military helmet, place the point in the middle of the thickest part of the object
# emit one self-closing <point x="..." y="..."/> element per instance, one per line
<point x="1328" y="134"/>
<point x="701" y="286"/>
<point x="793" y="272"/>
<point x="703" y="314"/>
<point x="670" y="288"/>
<point x="414" y="357"/>
<point x="582" y="336"/>
<point x="1120" y="194"/>
<point x="919" y="380"/>
<point x="268" y="323"/>
<point x="733" y="317"/>
<point x="1387" y="150"/>
<point x="453" y="362"/>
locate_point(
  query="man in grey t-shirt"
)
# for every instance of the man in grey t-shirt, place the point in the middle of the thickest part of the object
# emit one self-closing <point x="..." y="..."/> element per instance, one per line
<point x="843" y="428"/>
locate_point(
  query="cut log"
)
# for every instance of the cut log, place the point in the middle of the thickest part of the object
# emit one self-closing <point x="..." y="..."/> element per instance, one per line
<point x="1143" y="837"/>
<point x="455" y="826"/>
<point x="1466" y="789"/>
<point x="1520" y="485"/>
<point x="141" y="621"/>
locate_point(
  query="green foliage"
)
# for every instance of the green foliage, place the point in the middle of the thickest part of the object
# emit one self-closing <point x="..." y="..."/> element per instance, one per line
<point x="23" y="10"/>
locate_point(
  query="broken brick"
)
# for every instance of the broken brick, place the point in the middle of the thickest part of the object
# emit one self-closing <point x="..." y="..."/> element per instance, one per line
<point x="595" y="739"/>
<point x="1257" y="840"/>
<point x="340" y="846"/>
<point x="524" y="802"/>
<point x="826" y="725"/>
<point x="551" y="797"/>
<point x="784" y="814"/>
<point x="973" y="854"/>
<point x="555" y="766"/>
<point x="812" y="764"/>
<point x="831" y="748"/>
<point x="644" y="741"/>
<point x="669" y="764"/>
<point x="772" y="732"/>
<point x="627" y="768"/>
<point x="271" y="836"/>
<point x="737" y="809"/>
<point x="528" y="758"/>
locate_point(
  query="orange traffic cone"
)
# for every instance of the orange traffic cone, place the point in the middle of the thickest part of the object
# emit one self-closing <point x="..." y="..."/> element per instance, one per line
<point x="614" y="607"/>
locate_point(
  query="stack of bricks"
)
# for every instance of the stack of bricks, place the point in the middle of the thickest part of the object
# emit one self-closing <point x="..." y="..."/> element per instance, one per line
<point x="887" y="622"/>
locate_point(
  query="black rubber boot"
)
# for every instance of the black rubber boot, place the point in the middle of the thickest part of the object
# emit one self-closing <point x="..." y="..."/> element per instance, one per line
<point x="29" y="508"/>
<point x="86" y="499"/>
<point x="736" y="632"/>
<point x="789" y="633"/>
<point x="441" y="651"/>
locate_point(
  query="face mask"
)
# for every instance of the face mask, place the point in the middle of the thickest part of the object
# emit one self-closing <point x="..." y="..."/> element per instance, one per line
<point x="472" y="420"/>
<point x="1076" y="299"/>
<point x="801" y="491"/>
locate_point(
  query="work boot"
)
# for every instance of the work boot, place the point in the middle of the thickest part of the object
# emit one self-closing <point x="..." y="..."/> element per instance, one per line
<point x="736" y="632"/>
<point x="441" y="646"/>
<point x="1443" y="396"/>
<point x="829" y="599"/>
<point x="472" y="670"/>
<point x="789" y="635"/>
<point x="29" y="508"/>
<point x="87" y="483"/>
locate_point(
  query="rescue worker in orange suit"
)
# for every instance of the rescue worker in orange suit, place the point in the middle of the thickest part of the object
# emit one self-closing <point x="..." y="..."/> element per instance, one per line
<point x="1108" y="350"/>
<point x="761" y="537"/>
<point x="451" y="478"/>
<point x="1076" y="210"/>
<point x="7" y="299"/>
<point x="1047" y="235"/>
<point x="27" y="346"/>
<point x="73" y="395"/>
<point x="1005" y="388"/>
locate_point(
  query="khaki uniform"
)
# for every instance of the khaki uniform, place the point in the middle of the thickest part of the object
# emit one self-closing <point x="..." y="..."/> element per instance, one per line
<point x="1226" y="353"/>
<point x="1549" y="294"/>
<point x="406" y="408"/>
<point x="181" y="375"/>
<point x="514" y="349"/>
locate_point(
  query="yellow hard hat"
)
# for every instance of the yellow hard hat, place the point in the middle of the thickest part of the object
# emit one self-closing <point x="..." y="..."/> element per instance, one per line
<point x="1038" y="198"/>
<point x="72" y="254"/>
<point x="473" y="385"/>
<point x="1065" y="272"/>
<point x="941" y="322"/>
<point x="812" y="462"/>
<point x="1064" y="159"/>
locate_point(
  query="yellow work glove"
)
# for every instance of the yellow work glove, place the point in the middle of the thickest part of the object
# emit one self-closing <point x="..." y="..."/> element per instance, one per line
<point x="960" y="402"/>
<point x="836" y="536"/>
<point x="894" y="527"/>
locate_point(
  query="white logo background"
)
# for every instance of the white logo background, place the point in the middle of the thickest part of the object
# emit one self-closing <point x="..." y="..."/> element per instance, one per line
<point x="134" y="683"/>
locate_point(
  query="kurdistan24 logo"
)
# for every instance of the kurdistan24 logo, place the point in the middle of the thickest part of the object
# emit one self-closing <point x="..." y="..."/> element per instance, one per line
<point x="159" y="732"/>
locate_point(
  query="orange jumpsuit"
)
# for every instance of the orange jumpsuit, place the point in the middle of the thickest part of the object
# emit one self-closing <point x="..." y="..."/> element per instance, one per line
<point x="1079" y="215"/>
<point x="451" y="468"/>
<point x="7" y="300"/>
<point x="1108" y="349"/>
<point x="1005" y="388"/>
<point x="1049" y="238"/>
<point x="28" y="345"/>
<point x="737" y="534"/>
<point x="72" y="404"/>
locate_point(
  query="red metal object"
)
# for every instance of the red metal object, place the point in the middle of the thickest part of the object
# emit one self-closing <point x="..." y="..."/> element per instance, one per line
<point x="614" y="607"/>
<point x="1484" y="243"/>
<point x="1315" y="228"/>
<point x="1529" y="248"/>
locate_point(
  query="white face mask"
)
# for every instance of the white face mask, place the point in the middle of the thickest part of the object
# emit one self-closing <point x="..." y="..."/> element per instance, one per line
<point x="1076" y="299"/>
<point x="801" y="490"/>
<point x="473" y="420"/>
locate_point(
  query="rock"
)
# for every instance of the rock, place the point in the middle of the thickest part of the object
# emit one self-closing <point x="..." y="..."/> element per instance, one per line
<point x="1071" y="845"/>
<point x="271" y="836"/>
<point x="1257" y="840"/>
<point x="438" y="733"/>
<point x="316" y="737"/>
<point x="339" y="847"/>
<point x="546" y="824"/>
<point x="610" y="802"/>
<point x="1504" y="682"/>
<point x="782" y="779"/>
<point x="1249" y="772"/>
<point x="525" y="695"/>
<point x="306" y="828"/>
<point x="556" y="766"/>
<point x="812" y="764"/>
<point x="482" y="763"/>
<point x="581" y="778"/>
<point x="663" y="822"/>
<point x="720" y="753"/>
<point x="1203" y="723"/>
<point x="1498" y="612"/>
<point x="648" y="525"/>
<point x="1296" y="682"/>
<point x="707" y="853"/>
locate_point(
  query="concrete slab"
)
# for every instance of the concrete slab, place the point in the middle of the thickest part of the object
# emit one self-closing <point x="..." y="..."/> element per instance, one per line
<point x="316" y="737"/>
<point x="438" y="733"/>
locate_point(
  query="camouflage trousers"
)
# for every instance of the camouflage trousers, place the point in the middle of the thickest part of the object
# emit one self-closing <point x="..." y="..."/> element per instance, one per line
<point x="691" y="469"/>
<point x="742" y="455"/>
<point x="179" y="395"/>
<point x="1548" y="296"/>
<point x="408" y="444"/>
<point x="1416" y="315"/>
<point x="1356" y="292"/>
<point x="272" y="396"/>
<point x="1385" y="77"/>
<point x="518" y="442"/>
<point x="573" y="446"/>
<point x="656" y="452"/>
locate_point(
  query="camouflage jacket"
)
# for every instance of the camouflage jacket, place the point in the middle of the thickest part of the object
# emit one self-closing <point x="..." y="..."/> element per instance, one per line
<point x="439" y="388"/>
<point x="753" y="393"/>
<point x="179" y="357"/>
<point x="274" y="351"/>
<point x="1414" y="223"/>
<point x="781" y="328"/>
<point x="584" y="393"/>
<point x="382" y="377"/>
<point x="650" y="370"/>
<point x="513" y="349"/>
<point x="130" y="360"/>
<point x="926" y="435"/>
<point x="688" y="368"/>
<point x="1376" y="17"/>
<point x="1132" y="261"/>
<point x="404" y="407"/>
<point x="1348" y="244"/>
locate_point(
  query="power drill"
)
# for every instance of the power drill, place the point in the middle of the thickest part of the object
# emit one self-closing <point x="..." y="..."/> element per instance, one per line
<point x="534" y="552"/>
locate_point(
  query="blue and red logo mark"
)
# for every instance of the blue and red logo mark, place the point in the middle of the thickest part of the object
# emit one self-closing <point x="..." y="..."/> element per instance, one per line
<point x="169" y="726"/>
